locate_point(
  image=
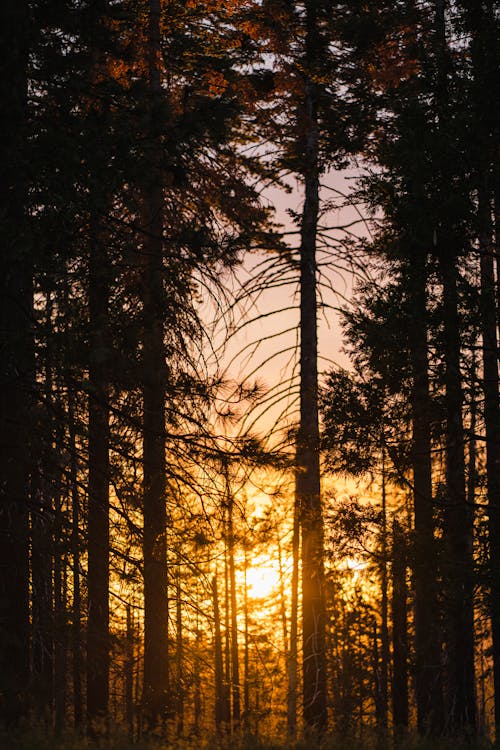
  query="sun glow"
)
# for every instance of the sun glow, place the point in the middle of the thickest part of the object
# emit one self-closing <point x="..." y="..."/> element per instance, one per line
<point x="263" y="580"/>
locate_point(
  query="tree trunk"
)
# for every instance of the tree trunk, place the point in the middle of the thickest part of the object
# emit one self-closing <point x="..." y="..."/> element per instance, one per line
<point x="60" y="624"/>
<point x="384" y="626"/>
<point x="492" y="424"/>
<point x="98" y="496"/>
<point x="17" y="365"/>
<point x="156" y="673"/>
<point x="484" y="53"/>
<point x="458" y="566"/>
<point x="246" y="657"/>
<point x="197" y="673"/>
<point x="227" y="633"/>
<point x="235" y="669"/>
<point x="308" y="495"/>
<point x="129" y="674"/>
<point x="179" y="655"/>
<point x="429" y="695"/>
<point x="400" y="707"/>
<point x="220" y="710"/>
<point x="75" y="551"/>
<point x="292" y="663"/>
<point x="42" y="555"/>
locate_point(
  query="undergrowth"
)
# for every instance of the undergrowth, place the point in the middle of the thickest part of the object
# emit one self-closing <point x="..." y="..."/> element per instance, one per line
<point x="36" y="739"/>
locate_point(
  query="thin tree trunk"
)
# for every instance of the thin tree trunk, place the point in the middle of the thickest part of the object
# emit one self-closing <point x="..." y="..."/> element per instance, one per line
<point x="196" y="673"/>
<point x="292" y="663"/>
<point x="42" y="550"/>
<point x="384" y="627"/>
<point x="42" y="615"/>
<point x="98" y="496"/>
<point x="156" y="673"/>
<point x="60" y="625"/>
<point x="284" y="622"/>
<point x="492" y="424"/>
<point x="75" y="551"/>
<point x="400" y="706"/>
<point x="377" y="687"/>
<point x="235" y="669"/>
<point x="246" y="656"/>
<point x="179" y="656"/>
<point x="227" y="632"/>
<point x="129" y="674"/>
<point x="42" y="559"/>
<point x="220" y="709"/>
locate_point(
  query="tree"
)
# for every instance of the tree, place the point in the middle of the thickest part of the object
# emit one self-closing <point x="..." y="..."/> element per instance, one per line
<point x="17" y="374"/>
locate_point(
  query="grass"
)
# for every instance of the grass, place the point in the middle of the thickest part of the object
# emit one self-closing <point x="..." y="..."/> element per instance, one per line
<point x="38" y="739"/>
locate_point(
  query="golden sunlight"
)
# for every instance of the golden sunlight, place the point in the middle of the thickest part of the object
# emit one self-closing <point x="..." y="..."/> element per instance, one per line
<point x="263" y="578"/>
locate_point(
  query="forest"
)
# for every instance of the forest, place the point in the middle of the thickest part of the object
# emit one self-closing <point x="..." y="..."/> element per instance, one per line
<point x="249" y="386"/>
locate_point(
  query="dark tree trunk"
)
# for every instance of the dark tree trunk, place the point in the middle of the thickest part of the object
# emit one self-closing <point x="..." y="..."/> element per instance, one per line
<point x="42" y="558"/>
<point x="221" y="717"/>
<point x="44" y="522"/>
<point x="429" y="694"/>
<point x="42" y="614"/>
<point x="156" y="672"/>
<point x="384" y="605"/>
<point x="485" y="61"/>
<point x="60" y="624"/>
<point x="292" y="662"/>
<point x="227" y="633"/>
<point x="98" y="496"/>
<point x="458" y="566"/>
<point x="179" y="654"/>
<point x="458" y="562"/>
<point x="492" y="424"/>
<point x="308" y="494"/>
<point x="129" y="674"/>
<point x="17" y="366"/>
<point x="75" y="551"/>
<point x="246" y="655"/>
<point x="235" y="669"/>
<point x="400" y="705"/>
<point x="197" y="675"/>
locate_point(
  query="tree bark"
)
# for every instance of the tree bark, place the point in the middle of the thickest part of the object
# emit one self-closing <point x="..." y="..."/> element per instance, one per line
<point x="60" y="624"/>
<point x="429" y="693"/>
<point x="42" y="553"/>
<point x="75" y="552"/>
<point x="98" y="495"/>
<point x="292" y="654"/>
<point x="459" y="525"/>
<point x="220" y="711"/>
<point x="400" y="705"/>
<point x="17" y="365"/>
<point x="235" y="669"/>
<point x="156" y="673"/>
<point x="384" y="626"/>
<point x="129" y="674"/>
<point x="458" y="565"/>
<point x="484" y="54"/>
<point x="179" y="654"/>
<point x="308" y="495"/>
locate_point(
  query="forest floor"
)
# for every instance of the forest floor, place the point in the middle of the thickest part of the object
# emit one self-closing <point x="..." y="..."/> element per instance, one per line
<point x="39" y="740"/>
